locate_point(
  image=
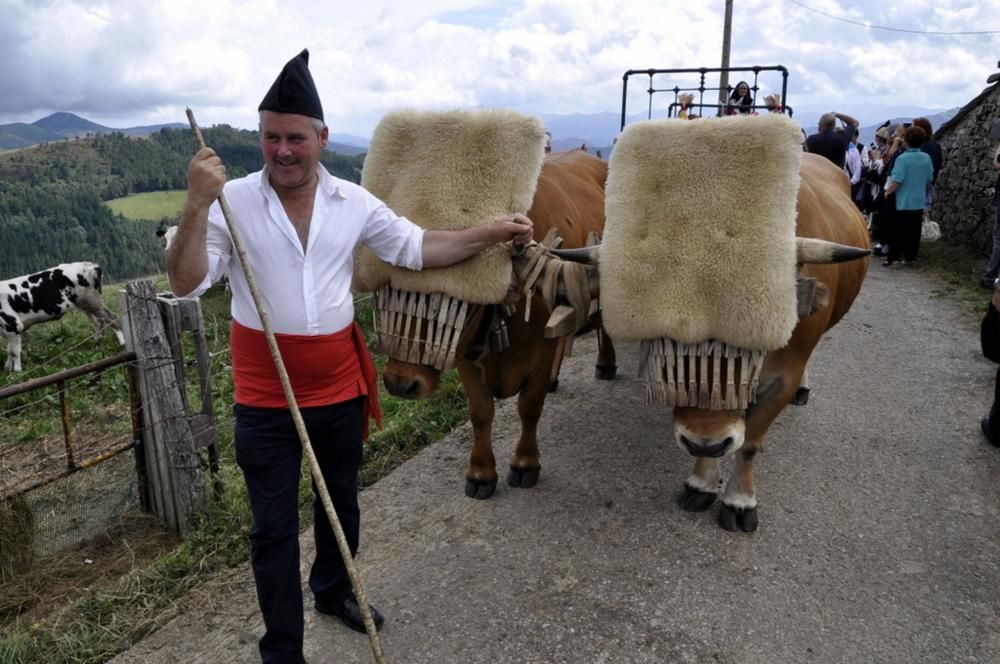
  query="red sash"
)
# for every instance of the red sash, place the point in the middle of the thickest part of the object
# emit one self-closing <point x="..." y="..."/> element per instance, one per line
<point x="323" y="369"/>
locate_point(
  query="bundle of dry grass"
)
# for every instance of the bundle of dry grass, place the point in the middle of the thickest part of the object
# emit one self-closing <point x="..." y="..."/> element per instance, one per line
<point x="451" y="171"/>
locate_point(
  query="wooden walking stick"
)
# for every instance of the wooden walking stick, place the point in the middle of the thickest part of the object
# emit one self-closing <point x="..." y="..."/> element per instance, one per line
<point x="338" y="531"/>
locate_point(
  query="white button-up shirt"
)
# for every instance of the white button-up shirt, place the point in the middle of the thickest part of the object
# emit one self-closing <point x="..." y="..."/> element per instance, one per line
<point x="305" y="292"/>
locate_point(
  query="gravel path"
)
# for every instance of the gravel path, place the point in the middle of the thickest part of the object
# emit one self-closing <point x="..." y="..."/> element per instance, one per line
<point x="879" y="537"/>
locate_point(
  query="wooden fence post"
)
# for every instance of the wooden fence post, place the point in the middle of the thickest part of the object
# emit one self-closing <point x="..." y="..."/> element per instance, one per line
<point x="173" y="466"/>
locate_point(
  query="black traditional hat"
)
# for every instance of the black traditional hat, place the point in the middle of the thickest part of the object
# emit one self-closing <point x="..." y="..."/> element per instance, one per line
<point x="294" y="91"/>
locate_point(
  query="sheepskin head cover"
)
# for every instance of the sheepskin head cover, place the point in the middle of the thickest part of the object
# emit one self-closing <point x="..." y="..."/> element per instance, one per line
<point x="700" y="235"/>
<point x="450" y="171"/>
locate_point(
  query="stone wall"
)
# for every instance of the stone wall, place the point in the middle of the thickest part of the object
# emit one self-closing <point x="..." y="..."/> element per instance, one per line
<point x="964" y="201"/>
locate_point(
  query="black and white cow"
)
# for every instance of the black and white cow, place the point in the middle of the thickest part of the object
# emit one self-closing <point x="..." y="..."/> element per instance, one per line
<point x="166" y="233"/>
<point x="47" y="295"/>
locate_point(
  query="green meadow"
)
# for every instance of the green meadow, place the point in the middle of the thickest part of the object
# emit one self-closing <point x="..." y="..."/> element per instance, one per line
<point x="151" y="205"/>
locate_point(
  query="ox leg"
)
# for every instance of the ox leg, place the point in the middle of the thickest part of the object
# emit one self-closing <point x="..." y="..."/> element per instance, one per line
<point x="13" y="362"/>
<point x="607" y="364"/>
<point x="557" y="364"/>
<point x="702" y="486"/>
<point x="481" y="475"/>
<point x="739" y="504"/>
<point x="525" y="466"/>
<point x="801" y="397"/>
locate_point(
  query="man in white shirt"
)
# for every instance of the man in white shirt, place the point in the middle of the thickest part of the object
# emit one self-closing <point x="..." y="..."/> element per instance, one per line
<point x="853" y="163"/>
<point x="300" y="226"/>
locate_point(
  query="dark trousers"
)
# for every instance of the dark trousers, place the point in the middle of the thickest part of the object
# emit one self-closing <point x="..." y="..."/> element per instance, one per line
<point x="904" y="242"/>
<point x="270" y="454"/>
<point x="993" y="427"/>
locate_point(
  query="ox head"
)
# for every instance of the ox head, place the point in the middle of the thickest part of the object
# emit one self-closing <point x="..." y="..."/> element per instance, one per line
<point x="711" y="432"/>
<point x="423" y="334"/>
<point x="710" y="385"/>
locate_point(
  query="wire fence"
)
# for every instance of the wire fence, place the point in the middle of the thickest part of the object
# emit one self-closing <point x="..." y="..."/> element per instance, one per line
<point x="45" y="508"/>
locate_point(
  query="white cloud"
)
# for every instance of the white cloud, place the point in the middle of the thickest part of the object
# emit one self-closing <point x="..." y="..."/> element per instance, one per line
<point x="124" y="63"/>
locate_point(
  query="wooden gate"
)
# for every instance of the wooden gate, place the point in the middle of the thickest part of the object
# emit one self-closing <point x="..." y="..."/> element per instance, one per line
<point x="173" y="439"/>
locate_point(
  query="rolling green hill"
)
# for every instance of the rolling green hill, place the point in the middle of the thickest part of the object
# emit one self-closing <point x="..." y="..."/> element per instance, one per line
<point x="52" y="196"/>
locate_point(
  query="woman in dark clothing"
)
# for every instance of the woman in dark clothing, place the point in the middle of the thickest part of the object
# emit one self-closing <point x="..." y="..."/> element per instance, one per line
<point x="989" y="339"/>
<point x="740" y="101"/>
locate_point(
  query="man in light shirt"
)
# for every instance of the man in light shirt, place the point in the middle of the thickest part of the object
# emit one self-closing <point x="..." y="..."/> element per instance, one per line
<point x="852" y="161"/>
<point x="300" y="227"/>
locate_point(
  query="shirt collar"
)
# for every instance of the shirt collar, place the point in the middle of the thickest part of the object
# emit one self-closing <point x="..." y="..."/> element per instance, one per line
<point x="329" y="185"/>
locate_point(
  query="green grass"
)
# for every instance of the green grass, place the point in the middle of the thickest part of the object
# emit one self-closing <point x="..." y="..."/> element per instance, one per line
<point x="152" y="205"/>
<point x="107" y="615"/>
<point x="961" y="269"/>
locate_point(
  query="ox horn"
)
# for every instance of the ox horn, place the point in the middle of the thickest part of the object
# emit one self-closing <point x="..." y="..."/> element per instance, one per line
<point x="585" y="255"/>
<point x="812" y="250"/>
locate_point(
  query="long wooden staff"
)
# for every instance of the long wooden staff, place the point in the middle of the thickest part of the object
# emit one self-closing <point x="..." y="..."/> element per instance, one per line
<point x="300" y="426"/>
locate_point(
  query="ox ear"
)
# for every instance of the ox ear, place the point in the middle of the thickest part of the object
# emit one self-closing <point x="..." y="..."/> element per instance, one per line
<point x="812" y="250"/>
<point x="813" y="296"/>
<point x="586" y="255"/>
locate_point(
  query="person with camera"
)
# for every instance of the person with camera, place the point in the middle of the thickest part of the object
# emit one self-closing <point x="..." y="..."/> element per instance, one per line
<point x="829" y="142"/>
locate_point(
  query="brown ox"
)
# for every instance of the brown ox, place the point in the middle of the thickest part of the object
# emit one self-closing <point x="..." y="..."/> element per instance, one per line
<point x="569" y="199"/>
<point x="825" y="211"/>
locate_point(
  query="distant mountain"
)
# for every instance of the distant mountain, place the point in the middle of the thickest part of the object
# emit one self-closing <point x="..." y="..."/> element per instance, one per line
<point x="70" y="125"/>
<point x="349" y="139"/>
<point x="22" y="135"/>
<point x="146" y="130"/>
<point x="345" y="149"/>
<point x="595" y="130"/>
<point x="61" y="126"/>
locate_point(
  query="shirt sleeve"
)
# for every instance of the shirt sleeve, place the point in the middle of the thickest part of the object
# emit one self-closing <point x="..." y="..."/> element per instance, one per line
<point x="394" y="239"/>
<point x="898" y="171"/>
<point x="218" y="246"/>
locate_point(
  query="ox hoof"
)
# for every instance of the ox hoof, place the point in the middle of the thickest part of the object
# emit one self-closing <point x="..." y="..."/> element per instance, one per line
<point x="605" y="373"/>
<point x="734" y="518"/>
<point x="693" y="500"/>
<point x="523" y="478"/>
<point x="801" y="397"/>
<point x="480" y="490"/>
<point x="553" y="386"/>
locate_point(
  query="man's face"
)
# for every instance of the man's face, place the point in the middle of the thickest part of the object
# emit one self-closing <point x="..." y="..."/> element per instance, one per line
<point x="291" y="148"/>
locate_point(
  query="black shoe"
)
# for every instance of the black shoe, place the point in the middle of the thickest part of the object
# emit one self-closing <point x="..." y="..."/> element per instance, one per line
<point x="987" y="283"/>
<point x="349" y="612"/>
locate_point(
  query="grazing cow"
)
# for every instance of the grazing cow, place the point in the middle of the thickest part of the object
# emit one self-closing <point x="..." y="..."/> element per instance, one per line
<point x="569" y="199"/>
<point x="825" y="211"/>
<point x="167" y="233"/>
<point x="47" y="295"/>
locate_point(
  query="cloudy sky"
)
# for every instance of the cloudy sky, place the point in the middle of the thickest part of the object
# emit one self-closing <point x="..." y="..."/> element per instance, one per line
<point x="129" y="62"/>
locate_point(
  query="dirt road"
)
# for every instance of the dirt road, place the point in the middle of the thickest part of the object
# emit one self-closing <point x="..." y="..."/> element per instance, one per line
<point x="879" y="537"/>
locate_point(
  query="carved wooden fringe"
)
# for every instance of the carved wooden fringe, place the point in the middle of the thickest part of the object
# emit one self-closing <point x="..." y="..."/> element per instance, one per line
<point x="568" y="287"/>
<point x="710" y="375"/>
<point x="424" y="328"/>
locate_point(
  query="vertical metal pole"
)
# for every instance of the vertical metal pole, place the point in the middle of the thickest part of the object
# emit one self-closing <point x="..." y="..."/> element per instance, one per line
<point x="727" y="31"/>
<point x="624" y="98"/>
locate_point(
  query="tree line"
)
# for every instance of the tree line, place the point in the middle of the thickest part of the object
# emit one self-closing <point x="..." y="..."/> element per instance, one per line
<point x="52" y="196"/>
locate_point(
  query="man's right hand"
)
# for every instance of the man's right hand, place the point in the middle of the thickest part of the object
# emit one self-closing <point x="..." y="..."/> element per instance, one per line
<point x="206" y="176"/>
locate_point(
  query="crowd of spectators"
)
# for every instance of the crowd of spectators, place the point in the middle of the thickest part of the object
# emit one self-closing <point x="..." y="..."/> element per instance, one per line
<point x="892" y="179"/>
